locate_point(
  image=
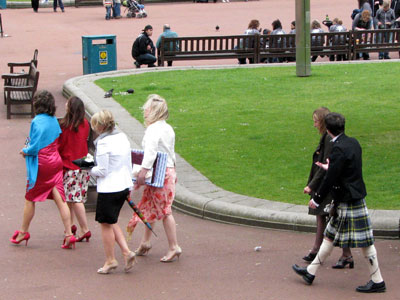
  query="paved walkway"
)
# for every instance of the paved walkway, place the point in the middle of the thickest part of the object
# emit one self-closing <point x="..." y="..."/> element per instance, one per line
<point x="218" y="260"/>
<point x="198" y="196"/>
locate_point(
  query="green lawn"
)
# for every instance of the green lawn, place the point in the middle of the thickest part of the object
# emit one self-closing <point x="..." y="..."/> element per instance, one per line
<point x="250" y="131"/>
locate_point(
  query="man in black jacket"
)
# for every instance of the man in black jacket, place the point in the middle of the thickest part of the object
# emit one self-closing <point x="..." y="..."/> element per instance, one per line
<point x="143" y="50"/>
<point x="350" y="226"/>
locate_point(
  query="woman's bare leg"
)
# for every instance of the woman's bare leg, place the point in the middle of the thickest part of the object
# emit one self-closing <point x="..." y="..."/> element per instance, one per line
<point x="80" y="213"/>
<point x="29" y="213"/>
<point x="64" y="211"/>
<point x="107" y="234"/>
<point x="170" y="231"/>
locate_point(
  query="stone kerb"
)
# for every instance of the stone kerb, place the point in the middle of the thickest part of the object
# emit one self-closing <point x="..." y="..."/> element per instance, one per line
<point x="195" y="194"/>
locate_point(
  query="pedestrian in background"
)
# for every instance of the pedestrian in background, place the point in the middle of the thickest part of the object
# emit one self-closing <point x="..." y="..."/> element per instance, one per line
<point x="60" y="3"/>
<point x="143" y="50"/>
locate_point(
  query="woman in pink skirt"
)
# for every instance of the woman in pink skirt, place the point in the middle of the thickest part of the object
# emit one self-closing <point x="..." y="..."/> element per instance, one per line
<point x="73" y="145"/>
<point x="156" y="202"/>
<point x="44" y="168"/>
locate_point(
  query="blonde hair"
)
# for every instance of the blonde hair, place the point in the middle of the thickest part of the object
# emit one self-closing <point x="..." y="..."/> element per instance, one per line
<point x="319" y="114"/>
<point x="385" y="3"/>
<point x="156" y="108"/>
<point x="103" y="121"/>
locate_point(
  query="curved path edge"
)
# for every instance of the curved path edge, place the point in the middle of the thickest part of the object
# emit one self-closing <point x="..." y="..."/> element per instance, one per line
<point x="195" y="194"/>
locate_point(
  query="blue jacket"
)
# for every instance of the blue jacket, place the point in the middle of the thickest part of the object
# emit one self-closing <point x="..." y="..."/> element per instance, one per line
<point x="44" y="131"/>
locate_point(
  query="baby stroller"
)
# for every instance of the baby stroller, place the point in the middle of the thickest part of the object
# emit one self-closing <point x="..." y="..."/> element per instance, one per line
<point x="134" y="9"/>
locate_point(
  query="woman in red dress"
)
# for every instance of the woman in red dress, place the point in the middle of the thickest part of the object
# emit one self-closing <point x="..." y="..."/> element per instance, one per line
<point x="73" y="145"/>
<point x="44" y="168"/>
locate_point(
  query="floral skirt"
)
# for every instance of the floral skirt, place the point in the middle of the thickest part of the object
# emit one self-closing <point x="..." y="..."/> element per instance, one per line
<point x="156" y="202"/>
<point x="76" y="184"/>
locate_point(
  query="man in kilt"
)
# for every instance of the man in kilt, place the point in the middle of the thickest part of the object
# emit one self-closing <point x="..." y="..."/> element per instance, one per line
<point x="350" y="225"/>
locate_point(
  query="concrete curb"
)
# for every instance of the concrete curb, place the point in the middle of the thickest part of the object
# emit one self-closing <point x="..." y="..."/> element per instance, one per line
<point x="195" y="194"/>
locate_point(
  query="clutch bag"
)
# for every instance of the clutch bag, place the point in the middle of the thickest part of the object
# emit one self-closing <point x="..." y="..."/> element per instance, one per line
<point x="156" y="175"/>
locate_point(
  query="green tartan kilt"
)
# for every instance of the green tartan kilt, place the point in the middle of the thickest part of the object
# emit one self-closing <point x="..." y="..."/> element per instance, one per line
<point x="352" y="228"/>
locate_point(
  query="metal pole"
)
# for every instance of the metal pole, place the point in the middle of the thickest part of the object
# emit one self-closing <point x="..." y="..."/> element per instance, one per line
<point x="303" y="51"/>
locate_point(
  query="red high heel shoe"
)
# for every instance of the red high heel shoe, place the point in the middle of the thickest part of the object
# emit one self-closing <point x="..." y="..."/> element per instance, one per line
<point x="86" y="236"/>
<point x="26" y="237"/>
<point x="74" y="229"/>
<point x="71" y="242"/>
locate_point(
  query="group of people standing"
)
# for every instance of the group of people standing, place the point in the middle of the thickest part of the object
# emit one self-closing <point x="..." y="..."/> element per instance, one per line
<point x="49" y="153"/>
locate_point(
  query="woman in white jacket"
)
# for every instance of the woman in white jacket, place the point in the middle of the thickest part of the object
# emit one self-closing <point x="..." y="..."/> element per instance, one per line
<point x="156" y="202"/>
<point x="113" y="171"/>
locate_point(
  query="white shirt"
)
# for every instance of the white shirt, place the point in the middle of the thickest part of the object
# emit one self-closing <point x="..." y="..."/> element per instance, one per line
<point x="114" y="164"/>
<point x="159" y="136"/>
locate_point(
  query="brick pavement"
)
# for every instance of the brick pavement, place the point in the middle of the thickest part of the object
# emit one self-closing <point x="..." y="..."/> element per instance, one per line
<point x="218" y="260"/>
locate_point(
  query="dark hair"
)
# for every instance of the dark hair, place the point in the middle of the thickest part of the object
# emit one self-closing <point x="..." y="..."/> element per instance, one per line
<point x="75" y="114"/>
<point x="276" y="24"/>
<point x="335" y="122"/>
<point x="293" y="23"/>
<point x="44" y="103"/>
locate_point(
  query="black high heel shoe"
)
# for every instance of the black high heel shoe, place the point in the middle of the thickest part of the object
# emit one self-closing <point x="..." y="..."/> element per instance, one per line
<point x="343" y="262"/>
<point x="310" y="257"/>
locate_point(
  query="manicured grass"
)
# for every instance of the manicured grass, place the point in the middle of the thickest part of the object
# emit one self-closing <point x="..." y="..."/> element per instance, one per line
<point x="250" y="131"/>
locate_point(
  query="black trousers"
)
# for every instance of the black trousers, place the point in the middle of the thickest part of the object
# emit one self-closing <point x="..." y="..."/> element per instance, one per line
<point x="35" y="5"/>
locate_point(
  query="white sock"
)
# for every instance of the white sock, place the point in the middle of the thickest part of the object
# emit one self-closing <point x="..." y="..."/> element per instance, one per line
<point x="324" y="251"/>
<point x="373" y="266"/>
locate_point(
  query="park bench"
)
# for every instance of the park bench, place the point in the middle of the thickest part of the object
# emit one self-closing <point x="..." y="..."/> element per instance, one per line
<point x="208" y="47"/>
<point x="382" y="40"/>
<point x="88" y="2"/>
<point x="266" y="47"/>
<point x="19" y="88"/>
<point x="17" y="68"/>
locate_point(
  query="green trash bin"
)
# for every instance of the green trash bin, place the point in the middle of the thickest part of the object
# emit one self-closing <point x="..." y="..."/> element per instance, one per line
<point x="3" y="4"/>
<point x="99" y="53"/>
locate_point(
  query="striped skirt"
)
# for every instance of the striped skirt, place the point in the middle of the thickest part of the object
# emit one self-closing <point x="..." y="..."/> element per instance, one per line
<point x="352" y="227"/>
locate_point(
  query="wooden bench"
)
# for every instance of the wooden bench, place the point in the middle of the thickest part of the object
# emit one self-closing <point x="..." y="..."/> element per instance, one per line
<point x="208" y="47"/>
<point x="267" y="47"/>
<point x="88" y="2"/>
<point x="19" y="88"/>
<point x="382" y="40"/>
<point x="17" y="68"/>
<point x="284" y="45"/>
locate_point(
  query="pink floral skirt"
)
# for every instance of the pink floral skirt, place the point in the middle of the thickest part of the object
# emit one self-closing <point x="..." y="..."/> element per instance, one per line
<point x="156" y="202"/>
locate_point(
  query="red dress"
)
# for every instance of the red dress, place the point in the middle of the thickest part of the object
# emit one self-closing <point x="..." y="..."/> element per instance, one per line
<point x="50" y="175"/>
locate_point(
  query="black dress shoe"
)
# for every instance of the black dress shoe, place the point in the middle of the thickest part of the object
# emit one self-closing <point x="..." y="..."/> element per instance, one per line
<point x="372" y="287"/>
<point x="310" y="257"/>
<point x="308" y="278"/>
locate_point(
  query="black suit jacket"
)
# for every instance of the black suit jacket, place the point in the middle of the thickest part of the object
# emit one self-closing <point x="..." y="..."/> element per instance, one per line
<point x="344" y="177"/>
